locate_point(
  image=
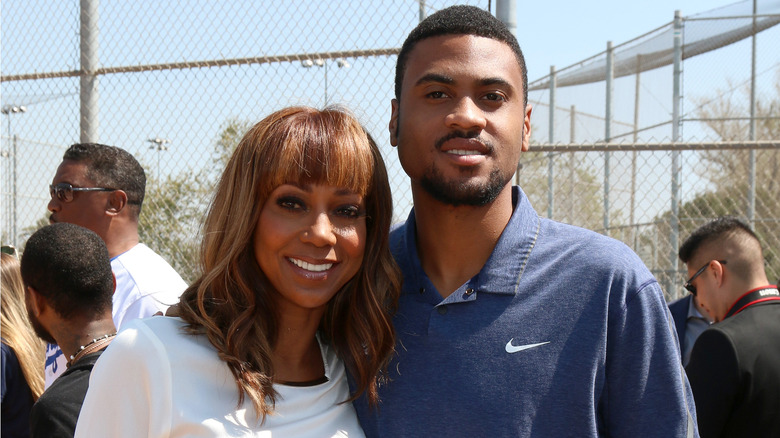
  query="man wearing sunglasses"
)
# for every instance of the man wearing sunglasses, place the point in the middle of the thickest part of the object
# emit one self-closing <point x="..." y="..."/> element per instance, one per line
<point x="734" y="367"/>
<point x="102" y="188"/>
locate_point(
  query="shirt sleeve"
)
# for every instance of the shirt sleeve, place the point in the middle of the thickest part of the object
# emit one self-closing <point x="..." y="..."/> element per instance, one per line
<point x="714" y="374"/>
<point x="129" y="389"/>
<point x="647" y="392"/>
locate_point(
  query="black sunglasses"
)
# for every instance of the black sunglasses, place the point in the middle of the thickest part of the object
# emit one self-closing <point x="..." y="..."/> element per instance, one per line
<point x="64" y="191"/>
<point x="8" y="249"/>
<point x="690" y="287"/>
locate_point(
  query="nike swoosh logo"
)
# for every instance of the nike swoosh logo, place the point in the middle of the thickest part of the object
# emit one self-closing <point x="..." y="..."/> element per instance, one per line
<point x="514" y="349"/>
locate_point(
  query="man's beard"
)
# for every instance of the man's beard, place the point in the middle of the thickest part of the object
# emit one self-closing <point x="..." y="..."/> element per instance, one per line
<point x="39" y="330"/>
<point x="459" y="193"/>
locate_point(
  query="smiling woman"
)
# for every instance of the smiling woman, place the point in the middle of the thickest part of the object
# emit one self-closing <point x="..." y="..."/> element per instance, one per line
<point x="298" y="288"/>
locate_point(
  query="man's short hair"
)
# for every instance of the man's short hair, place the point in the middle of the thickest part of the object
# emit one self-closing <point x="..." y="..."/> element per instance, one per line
<point x="711" y="231"/>
<point x="69" y="265"/>
<point x="459" y="20"/>
<point x="111" y="167"/>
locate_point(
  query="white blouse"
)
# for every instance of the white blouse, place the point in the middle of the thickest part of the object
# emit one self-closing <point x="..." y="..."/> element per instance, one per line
<point x="154" y="380"/>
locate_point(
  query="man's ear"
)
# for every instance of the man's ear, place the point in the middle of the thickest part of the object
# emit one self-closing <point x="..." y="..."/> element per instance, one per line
<point x="718" y="271"/>
<point x="117" y="201"/>
<point x="35" y="301"/>
<point x="527" y="128"/>
<point x="393" y="125"/>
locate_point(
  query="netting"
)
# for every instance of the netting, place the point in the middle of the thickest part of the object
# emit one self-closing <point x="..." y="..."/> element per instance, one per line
<point x="176" y="84"/>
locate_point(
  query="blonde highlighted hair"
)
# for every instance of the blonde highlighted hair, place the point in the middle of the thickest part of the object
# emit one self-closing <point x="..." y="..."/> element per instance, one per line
<point x="230" y="302"/>
<point x="16" y="330"/>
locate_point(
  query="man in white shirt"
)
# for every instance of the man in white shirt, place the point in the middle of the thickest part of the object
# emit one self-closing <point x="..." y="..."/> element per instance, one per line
<point x="102" y="188"/>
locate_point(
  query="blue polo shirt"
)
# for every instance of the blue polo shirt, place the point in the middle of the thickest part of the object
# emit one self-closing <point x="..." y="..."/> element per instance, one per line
<point x="564" y="332"/>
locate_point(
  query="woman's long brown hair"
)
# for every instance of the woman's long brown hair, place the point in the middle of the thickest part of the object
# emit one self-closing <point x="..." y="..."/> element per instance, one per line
<point x="230" y="302"/>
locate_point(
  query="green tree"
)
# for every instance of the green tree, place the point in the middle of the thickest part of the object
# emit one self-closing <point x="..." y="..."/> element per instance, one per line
<point x="175" y="207"/>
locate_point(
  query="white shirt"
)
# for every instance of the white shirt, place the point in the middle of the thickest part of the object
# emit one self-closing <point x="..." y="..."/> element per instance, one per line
<point x="156" y="381"/>
<point x="145" y="284"/>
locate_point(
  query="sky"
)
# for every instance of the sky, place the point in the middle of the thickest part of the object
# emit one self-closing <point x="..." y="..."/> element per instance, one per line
<point x="595" y="22"/>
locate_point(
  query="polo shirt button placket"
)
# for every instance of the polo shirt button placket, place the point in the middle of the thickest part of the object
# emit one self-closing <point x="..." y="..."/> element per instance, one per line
<point x="442" y="310"/>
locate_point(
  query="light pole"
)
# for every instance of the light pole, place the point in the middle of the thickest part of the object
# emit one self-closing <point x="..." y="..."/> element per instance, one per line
<point x="8" y="110"/>
<point x="158" y="144"/>
<point x="308" y="63"/>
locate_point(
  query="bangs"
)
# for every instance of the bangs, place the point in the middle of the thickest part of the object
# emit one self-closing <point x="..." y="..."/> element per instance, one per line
<point x="326" y="148"/>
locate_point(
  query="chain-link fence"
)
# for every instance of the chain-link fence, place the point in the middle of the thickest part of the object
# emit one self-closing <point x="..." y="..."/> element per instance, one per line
<point x="176" y="84"/>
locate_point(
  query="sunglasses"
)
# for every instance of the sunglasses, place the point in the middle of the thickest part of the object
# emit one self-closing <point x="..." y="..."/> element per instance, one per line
<point x="688" y="284"/>
<point x="64" y="191"/>
<point x="8" y="249"/>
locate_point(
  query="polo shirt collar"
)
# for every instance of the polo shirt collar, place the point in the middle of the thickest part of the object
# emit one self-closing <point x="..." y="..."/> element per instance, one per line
<point x="503" y="270"/>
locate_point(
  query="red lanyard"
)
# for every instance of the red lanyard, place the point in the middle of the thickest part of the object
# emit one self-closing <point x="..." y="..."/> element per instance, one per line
<point x="760" y="295"/>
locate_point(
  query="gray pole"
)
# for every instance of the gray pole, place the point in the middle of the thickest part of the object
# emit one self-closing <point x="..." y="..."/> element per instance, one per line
<point x="633" y="153"/>
<point x="550" y="167"/>
<point x="676" y="170"/>
<point x="751" y="213"/>
<point x="16" y="194"/>
<point x="572" y="136"/>
<point x="607" y="127"/>
<point x="326" y="83"/>
<point x="422" y="10"/>
<point x="89" y="64"/>
<point x="506" y="11"/>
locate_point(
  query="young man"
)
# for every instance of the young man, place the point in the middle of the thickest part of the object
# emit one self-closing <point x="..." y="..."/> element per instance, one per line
<point x="735" y="363"/>
<point x="68" y="288"/>
<point x="101" y="188"/>
<point x="509" y="324"/>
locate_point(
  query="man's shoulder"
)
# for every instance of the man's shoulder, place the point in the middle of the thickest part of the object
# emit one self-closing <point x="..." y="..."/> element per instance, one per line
<point x="144" y="268"/>
<point x="759" y="321"/>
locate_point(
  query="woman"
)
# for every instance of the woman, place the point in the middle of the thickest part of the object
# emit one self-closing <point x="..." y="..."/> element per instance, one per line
<point x="23" y="353"/>
<point x="298" y="284"/>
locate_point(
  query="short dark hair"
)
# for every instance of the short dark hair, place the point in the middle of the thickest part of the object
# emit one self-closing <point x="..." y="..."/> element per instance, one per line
<point x="459" y="20"/>
<point x="710" y="231"/>
<point x="69" y="265"/>
<point x="113" y="168"/>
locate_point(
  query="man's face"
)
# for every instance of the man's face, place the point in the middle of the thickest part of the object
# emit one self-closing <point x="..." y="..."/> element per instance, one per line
<point x="87" y="209"/>
<point x="707" y="288"/>
<point x="460" y="123"/>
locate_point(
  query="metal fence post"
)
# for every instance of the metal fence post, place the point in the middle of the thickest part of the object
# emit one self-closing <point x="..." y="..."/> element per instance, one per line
<point x="751" y="210"/>
<point x="89" y="64"/>
<point x="676" y="98"/>
<point x="607" y="127"/>
<point x="550" y="156"/>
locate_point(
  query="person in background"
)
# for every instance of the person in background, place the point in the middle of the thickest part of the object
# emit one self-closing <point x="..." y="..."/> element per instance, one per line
<point x="102" y="188"/>
<point x="68" y="286"/>
<point x="690" y="321"/>
<point x="735" y="363"/>
<point x="298" y="288"/>
<point x="509" y="324"/>
<point x="22" y="351"/>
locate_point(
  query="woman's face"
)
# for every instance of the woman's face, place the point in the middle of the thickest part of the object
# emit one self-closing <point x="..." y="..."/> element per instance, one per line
<point x="309" y="241"/>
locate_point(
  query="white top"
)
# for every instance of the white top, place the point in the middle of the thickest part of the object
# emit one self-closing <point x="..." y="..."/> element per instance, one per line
<point x="145" y="284"/>
<point x="156" y="381"/>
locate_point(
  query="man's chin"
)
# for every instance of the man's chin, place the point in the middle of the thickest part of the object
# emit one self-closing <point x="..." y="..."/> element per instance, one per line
<point x="459" y="193"/>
